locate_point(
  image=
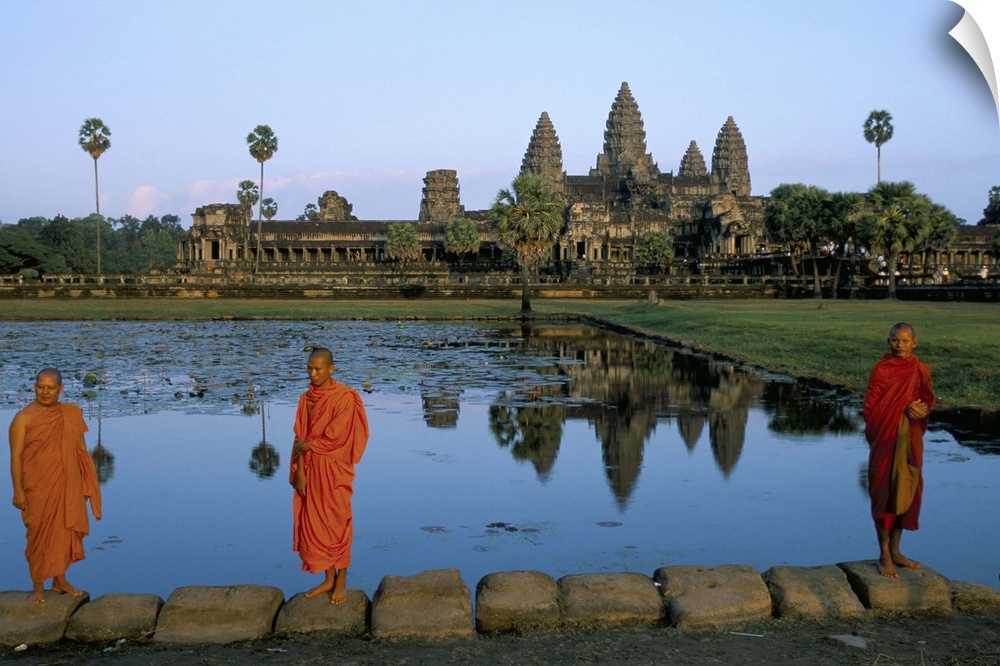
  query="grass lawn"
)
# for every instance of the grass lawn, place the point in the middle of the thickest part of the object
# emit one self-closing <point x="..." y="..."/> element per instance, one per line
<point x="835" y="341"/>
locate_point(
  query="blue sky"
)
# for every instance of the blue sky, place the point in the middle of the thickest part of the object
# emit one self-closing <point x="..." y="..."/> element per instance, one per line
<point x="366" y="97"/>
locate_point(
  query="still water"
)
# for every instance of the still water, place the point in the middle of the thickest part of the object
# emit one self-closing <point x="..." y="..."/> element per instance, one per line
<point x="561" y="448"/>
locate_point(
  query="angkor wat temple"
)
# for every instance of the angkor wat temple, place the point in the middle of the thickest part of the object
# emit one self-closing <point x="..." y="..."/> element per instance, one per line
<point x="624" y="195"/>
<point x="710" y="214"/>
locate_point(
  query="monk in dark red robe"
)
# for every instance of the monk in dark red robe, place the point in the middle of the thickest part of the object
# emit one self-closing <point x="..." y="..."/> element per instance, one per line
<point x="331" y="431"/>
<point x="898" y="401"/>
<point x="53" y="476"/>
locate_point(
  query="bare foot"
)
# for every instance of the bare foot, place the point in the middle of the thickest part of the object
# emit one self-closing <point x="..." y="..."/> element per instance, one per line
<point x="37" y="597"/>
<point x="66" y="588"/>
<point x="339" y="595"/>
<point x="906" y="562"/>
<point x="325" y="586"/>
<point x="887" y="569"/>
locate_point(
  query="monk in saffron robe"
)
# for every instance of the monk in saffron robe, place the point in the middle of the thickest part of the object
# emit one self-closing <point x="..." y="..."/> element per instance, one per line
<point x="331" y="431"/>
<point x="898" y="401"/>
<point x="53" y="477"/>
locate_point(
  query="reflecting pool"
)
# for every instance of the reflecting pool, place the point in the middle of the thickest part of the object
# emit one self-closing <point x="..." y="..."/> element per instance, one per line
<point x="493" y="447"/>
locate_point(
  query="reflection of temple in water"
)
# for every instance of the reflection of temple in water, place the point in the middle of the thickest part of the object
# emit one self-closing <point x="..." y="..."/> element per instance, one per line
<point x="623" y="386"/>
<point x="440" y="406"/>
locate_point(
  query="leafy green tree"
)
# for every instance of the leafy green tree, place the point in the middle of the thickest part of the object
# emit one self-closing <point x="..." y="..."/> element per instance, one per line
<point x="942" y="227"/>
<point x="845" y="210"/>
<point x="655" y="248"/>
<point x="21" y="252"/>
<point x="311" y="213"/>
<point x="802" y="217"/>
<point x="991" y="214"/>
<point x="247" y="195"/>
<point x="95" y="138"/>
<point x="263" y="144"/>
<point x="270" y="209"/>
<point x="897" y="220"/>
<point x="401" y="243"/>
<point x="461" y="237"/>
<point x="878" y="130"/>
<point x="526" y="219"/>
<point x="68" y="238"/>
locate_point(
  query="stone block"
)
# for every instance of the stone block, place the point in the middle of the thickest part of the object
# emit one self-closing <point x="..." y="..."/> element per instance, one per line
<point x="430" y="604"/>
<point x="21" y="622"/>
<point x="915" y="591"/>
<point x="114" y="616"/>
<point x="720" y="596"/>
<point x="302" y="616"/>
<point x="973" y="597"/>
<point x="516" y="600"/>
<point x="218" y="614"/>
<point x="812" y="592"/>
<point x="612" y="598"/>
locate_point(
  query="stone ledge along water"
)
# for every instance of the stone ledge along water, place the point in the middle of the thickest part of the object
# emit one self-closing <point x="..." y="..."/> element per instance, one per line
<point x="437" y="603"/>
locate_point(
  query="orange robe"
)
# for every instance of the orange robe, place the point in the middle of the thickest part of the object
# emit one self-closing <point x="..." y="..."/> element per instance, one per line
<point x="893" y="384"/>
<point x="59" y="476"/>
<point x="332" y="419"/>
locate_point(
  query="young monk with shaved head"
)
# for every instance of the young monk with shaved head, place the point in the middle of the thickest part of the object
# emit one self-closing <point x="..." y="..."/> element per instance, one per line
<point x="53" y="477"/>
<point x="331" y="431"/>
<point x="898" y="401"/>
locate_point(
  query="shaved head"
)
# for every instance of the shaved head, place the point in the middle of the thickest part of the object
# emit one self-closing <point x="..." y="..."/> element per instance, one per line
<point x="902" y="326"/>
<point x="322" y="354"/>
<point x="49" y="372"/>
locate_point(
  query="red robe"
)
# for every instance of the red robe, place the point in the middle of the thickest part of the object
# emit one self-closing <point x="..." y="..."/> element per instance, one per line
<point x="59" y="476"/>
<point x="894" y="383"/>
<point x="332" y="419"/>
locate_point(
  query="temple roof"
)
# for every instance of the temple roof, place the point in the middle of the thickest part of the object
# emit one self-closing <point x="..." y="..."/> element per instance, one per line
<point x="543" y="157"/>
<point x="730" y="172"/>
<point x="625" y="140"/>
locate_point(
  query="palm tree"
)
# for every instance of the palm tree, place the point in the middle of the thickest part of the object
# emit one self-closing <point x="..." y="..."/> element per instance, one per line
<point x="269" y="207"/>
<point x="263" y="144"/>
<point x="897" y="221"/>
<point x="95" y="139"/>
<point x="247" y="195"/>
<point x="878" y="130"/>
<point x="526" y="220"/>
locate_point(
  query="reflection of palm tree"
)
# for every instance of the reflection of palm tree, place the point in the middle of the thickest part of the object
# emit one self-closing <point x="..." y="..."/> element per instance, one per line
<point x="104" y="462"/>
<point x="532" y="432"/>
<point x="264" y="460"/>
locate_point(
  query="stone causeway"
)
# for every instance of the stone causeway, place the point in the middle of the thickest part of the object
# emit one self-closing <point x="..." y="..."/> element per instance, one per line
<point x="438" y="604"/>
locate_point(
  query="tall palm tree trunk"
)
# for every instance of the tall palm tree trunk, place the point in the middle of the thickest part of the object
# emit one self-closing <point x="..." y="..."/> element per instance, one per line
<point x="525" y="284"/>
<point x="97" y="203"/>
<point x="817" y="291"/>
<point x="891" y="270"/>
<point x="260" y="207"/>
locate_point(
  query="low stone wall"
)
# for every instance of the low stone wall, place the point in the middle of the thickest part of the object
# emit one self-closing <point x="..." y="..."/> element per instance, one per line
<point x="415" y="290"/>
<point x="437" y="604"/>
